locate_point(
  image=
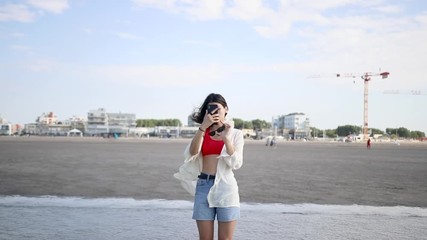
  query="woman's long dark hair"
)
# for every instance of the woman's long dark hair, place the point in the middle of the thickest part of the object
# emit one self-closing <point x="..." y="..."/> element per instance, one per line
<point x="198" y="116"/>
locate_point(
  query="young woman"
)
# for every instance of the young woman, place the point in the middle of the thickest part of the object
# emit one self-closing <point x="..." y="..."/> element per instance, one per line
<point x="210" y="158"/>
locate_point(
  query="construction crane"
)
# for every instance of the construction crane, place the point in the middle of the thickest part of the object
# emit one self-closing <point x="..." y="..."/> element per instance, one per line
<point x="366" y="78"/>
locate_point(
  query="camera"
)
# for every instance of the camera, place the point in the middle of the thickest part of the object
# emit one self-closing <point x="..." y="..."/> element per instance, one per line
<point x="211" y="108"/>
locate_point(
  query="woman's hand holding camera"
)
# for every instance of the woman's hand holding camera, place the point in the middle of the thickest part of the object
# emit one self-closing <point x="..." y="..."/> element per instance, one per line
<point x="226" y="132"/>
<point x="209" y="119"/>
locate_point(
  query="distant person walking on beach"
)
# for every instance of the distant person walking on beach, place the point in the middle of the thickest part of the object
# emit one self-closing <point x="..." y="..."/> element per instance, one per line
<point x="210" y="158"/>
<point x="368" y="143"/>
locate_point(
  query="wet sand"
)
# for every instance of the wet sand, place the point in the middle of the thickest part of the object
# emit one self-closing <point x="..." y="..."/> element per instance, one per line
<point x="292" y="172"/>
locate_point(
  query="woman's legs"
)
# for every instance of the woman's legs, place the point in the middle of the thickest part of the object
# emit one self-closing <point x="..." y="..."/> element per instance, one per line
<point x="206" y="229"/>
<point x="226" y="230"/>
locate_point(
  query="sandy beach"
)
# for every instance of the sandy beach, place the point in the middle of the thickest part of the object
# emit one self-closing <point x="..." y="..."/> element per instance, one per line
<point x="292" y="172"/>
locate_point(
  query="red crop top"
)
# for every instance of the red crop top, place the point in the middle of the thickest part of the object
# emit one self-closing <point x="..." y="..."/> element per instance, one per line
<point x="211" y="146"/>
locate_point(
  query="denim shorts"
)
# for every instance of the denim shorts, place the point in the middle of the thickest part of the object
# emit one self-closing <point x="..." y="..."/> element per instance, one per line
<point x="202" y="211"/>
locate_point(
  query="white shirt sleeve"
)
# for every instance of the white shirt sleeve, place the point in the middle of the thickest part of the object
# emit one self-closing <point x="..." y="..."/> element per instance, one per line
<point x="235" y="160"/>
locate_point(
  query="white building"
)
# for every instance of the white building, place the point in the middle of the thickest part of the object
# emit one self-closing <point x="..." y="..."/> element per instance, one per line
<point x="296" y="121"/>
<point x="120" y="123"/>
<point x="3" y="121"/>
<point x="296" y="125"/>
<point x="188" y="132"/>
<point x="47" y="119"/>
<point x="99" y="122"/>
<point x="48" y="124"/>
<point x="30" y="128"/>
<point x="76" y="122"/>
<point x="6" y="129"/>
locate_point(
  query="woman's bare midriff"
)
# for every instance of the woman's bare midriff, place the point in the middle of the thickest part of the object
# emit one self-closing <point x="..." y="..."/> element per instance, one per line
<point x="210" y="163"/>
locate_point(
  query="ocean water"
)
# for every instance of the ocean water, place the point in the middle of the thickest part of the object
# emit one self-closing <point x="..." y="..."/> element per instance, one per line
<point x="51" y="217"/>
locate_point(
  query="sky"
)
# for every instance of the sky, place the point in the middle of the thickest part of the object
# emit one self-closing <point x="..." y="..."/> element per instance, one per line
<point x="161" y="58"/>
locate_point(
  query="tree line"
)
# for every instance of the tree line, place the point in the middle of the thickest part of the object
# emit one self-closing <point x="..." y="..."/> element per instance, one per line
<point x="149" y="123"/>
<point x="256" y="124"/>
<point x="346" y="130"/>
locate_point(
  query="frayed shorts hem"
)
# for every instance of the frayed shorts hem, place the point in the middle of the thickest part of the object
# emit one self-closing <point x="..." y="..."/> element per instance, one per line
<point x="219" y="214"/>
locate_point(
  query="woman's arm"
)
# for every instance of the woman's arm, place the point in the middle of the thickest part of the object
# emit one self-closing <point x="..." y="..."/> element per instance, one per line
<point x="208" y="120"/>
<point x="229" y="146"/>
<point x="197" y="141"/>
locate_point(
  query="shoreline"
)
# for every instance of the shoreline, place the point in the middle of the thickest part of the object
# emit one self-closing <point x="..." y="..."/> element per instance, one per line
<point x="165" y="140"/>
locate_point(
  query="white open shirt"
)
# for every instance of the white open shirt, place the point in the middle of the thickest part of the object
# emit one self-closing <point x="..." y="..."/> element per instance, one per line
<point x="224" y="192"/>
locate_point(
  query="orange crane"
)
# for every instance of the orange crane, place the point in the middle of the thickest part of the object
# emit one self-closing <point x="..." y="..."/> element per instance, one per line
<point x="366" y="78"/>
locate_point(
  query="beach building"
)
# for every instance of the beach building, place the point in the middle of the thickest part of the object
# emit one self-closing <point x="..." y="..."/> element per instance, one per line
<point x="99" y="122"/>
<point x="77" y="123"/>
<point x="46" y="119"/>
<point x="56" y="129"/>
<point x="141" y="132"/>
<point x="188" y="132"/>
<point x="6" y="129"/>
<point x="30" y="128"/>
<point x="167" y="131"/>
<point x="121" y="123"/>
<point x="48" y="124"/>
<point x="293" y="125"/>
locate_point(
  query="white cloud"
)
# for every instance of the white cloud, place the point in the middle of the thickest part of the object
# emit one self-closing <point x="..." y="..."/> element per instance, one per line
<point x="161" y="75"/>
<point x="54" y="6"/>
<point x="197" y="9"/>
<point x="17" y="35"/>
<point x="205" y="9"/>
<point x="277" y="21"/>
<point x="128" y="36"/>
<point x="194" y="75"/>
<point x="26" y="12"/>
<point x="390" y="9"/>
<point x="266" y="21"/>
<point x="422" y="18"/>
<point x="42" y="66"/>
<point x="16" y="12"/>
<point x="20" y="48"/>
<point x="361" y="43"/>
<point x="249" y="10"/>
<point x="168" y="5"/>
<point x="88" y="30"/>
<point x="207" y="44"/>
